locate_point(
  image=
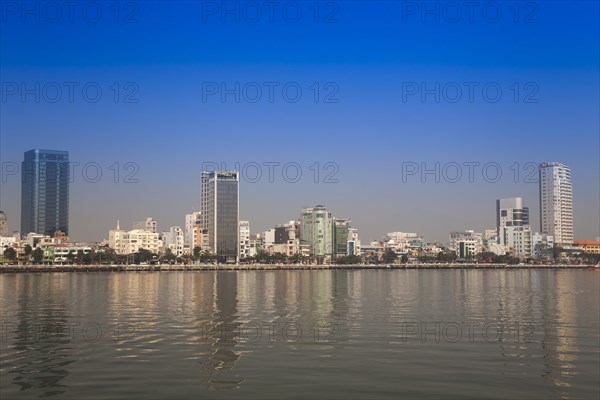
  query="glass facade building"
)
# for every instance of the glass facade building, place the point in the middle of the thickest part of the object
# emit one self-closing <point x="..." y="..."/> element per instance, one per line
<point x="340" y="236"/>
<point x="316" y="231"/>
<point x="220" y="213"/>
<point x="45" y="178"/>
<point x="3" y="224"/>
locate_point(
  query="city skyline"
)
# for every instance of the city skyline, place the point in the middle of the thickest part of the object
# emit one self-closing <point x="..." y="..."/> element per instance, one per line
<point x="509" y="211"/>
<point x="439" y="237"/>
<point x="169" y="216"/>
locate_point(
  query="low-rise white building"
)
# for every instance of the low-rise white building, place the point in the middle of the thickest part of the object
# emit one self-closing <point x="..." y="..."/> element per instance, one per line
<point x="60" y="253"/>
<point x="33" y="239"/>
<point x="353" y="244"/>
<point x="137" y="239"/>
<point x="174" y="240"/>
<point x="466" y="244"/>
<point x="403" y="242"/>
<point x="5" y="242"/>
<point x="268" y="238"/>
<point x="128" y="242"/>
<point x="466" y="248"/>
<point x="149" y="224"/>
<point x="289" y="248"/>
<point x="192" y="230"/>
<point x="403" y="237"/>
<point x="245" y="248"/>
<point x="496" y="248"/>
<point x="518" y="240"/>
<point x="542" y="245"/>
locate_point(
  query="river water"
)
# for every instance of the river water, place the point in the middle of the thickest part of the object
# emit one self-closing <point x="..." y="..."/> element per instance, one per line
<point x="301" y="334"/>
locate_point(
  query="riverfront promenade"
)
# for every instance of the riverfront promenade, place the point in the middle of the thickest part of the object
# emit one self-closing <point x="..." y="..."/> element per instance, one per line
<point x="269" y="267"/>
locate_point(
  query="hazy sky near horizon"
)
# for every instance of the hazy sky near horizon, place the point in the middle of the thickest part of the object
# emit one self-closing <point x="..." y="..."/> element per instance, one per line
<point x="367" y="93"/>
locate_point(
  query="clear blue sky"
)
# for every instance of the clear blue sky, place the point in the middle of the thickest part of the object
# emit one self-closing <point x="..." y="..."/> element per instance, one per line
<point x="370" y="60"/>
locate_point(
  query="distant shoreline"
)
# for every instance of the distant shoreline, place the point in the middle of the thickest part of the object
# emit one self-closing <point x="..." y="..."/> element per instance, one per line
<point x="269" y="267"/>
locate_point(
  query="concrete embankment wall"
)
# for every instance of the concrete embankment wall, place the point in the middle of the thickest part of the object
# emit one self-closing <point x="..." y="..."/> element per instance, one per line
<point x="267" y="267"/>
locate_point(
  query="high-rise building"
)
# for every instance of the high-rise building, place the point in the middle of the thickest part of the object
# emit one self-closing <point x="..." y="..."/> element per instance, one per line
<point x="220" y="213"/>
<point x="510" y="212"/>
<point x="45" y="192"/>
<point x="316" y="231"/>
<point x="3" y="224"/>
<point x="556" y="202"/>
<point x="340" y="237"/>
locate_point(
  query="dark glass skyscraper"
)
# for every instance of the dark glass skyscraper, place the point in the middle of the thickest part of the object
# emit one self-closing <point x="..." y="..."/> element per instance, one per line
<point x="45" y="192"/>
<point x="220" y="213"/>
<point x="340" y="237"/>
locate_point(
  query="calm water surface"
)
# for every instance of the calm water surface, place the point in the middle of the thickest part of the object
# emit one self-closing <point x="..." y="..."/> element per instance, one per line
<point x="300" y="334"/>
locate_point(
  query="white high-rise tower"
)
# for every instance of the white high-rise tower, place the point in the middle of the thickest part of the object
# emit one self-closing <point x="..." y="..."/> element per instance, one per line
<point x="556" y="202"/>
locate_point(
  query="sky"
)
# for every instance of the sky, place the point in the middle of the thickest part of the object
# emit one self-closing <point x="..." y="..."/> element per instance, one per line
<point x="400" y="115"/>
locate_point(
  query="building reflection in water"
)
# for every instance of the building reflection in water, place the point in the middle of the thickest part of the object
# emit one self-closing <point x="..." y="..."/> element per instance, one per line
<point x="560" y="334"/>
<point x="191" y="322"/>
<point x="36" y="323"/>
<point x="221" y="333"/>
<point x="335" y="327"/>
<point x="537" y="320"/>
